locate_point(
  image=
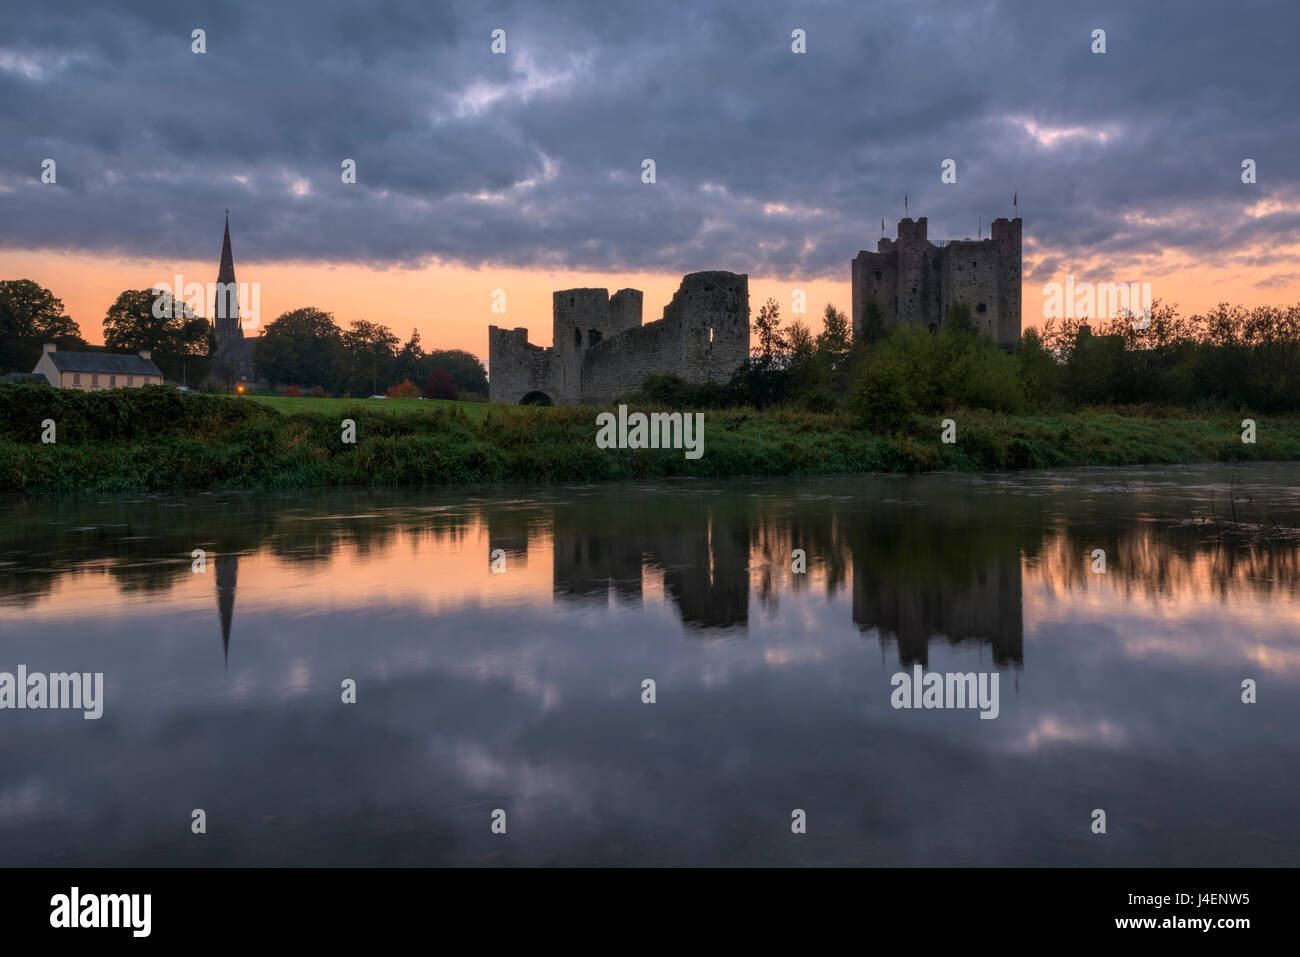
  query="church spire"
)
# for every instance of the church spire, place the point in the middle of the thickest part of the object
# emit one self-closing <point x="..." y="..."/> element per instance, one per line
<point x="225" y="310"/>
<point x="227" y="271"/>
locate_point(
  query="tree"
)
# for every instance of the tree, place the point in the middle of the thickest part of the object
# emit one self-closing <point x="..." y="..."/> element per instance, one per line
<point x="409" y="363"/>
<point x="873" y="322"/>
<point x="767" y="325"/>
<point x="960" y="319"/>
<point x="1037" y="370"/>
<point x="366" y="345"/>
<point x="799" y="342"/>
<point x="465" y="368"/>
<point x="1093" y="374"/>
<point x="177" y="337"/>
<point x="403" y="390"/>
<point x="299" y="346"/>
<point x="440" y="385"/>
<point x="30" y="316"/>
<point x="835" y="339"/>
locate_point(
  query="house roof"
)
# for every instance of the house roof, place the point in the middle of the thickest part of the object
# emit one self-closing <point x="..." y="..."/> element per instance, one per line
<point x="109" y="362"/>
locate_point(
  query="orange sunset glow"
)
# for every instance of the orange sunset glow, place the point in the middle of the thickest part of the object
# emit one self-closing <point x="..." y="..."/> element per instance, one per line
<point x="451" y="305"/>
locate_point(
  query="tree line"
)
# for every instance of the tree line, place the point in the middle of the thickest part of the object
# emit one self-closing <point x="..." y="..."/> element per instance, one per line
<point x="304" y="349"/>
<point x="1230" y="357"/>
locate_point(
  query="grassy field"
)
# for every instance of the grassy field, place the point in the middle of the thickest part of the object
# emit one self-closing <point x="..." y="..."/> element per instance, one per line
<point x="292" y="404"/>
<point x="155" y="440"/>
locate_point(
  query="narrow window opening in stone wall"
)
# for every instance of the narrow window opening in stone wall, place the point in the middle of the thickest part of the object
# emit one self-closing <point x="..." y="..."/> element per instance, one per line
<point x="877" y="273"/>
<point x="982" y="308"/>
<point x="571" y="300"/>
<point x="593" y="336"/>
<point x="973" y="264"/>
<point x="710" y="333"/>
<point x="577" y="337"/>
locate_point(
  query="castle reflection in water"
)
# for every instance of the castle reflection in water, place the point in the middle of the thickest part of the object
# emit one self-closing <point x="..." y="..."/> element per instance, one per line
<point x="923" y="560"/>
<point x="713" y="564"/>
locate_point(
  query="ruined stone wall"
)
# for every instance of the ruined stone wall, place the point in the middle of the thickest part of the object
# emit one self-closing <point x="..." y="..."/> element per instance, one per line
<point x="601" y="350"/>
<point x="575" y="315"/>
<point x="703" y="337"/>
<point x="517" y="367"/>
<point x="620" y="364"/>
<point x="624" y="312"/>
<point x="711" y="312"/>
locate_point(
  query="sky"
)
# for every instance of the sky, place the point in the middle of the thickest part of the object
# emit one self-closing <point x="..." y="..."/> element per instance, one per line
<point x="522" y="171"/>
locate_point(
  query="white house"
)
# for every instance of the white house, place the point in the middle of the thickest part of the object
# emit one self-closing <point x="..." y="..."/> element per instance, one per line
<point x="90" y="371"/>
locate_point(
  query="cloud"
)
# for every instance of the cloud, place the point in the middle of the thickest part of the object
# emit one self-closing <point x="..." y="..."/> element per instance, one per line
<point x="1279" y="280"/>
<point x="767" y="162"/>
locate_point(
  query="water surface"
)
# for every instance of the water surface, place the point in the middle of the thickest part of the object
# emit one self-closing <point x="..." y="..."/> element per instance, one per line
<point x="522" y="689"/>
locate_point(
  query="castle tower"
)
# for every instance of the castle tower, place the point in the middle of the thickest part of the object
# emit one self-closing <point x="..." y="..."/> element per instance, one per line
<point x="1006" y="236"/>
<point x="916" y="280"/>
<point x="225" y="308"/>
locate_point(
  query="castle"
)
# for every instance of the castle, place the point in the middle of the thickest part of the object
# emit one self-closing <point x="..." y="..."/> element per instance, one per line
<point x="600" y="350"/>
<point x="915" y="280"/>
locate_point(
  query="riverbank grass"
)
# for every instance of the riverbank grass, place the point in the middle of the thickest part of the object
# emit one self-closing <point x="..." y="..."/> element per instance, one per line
<point x="155" y="439"/>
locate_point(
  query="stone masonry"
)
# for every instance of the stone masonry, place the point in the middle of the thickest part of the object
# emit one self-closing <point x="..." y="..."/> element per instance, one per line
<point x="600" y="349"/>
<point x="916" y="280"/>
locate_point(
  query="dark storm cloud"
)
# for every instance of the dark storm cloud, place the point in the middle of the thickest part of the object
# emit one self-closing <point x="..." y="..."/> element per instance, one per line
<point x="767" y="162"/>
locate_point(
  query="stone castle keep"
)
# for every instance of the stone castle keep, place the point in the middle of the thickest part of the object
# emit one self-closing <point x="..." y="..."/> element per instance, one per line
<point x="600" y="349"/>
<point x="915" y="280"/>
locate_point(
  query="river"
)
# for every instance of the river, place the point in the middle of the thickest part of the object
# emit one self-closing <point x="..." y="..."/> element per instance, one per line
<point x="501" y="644"/>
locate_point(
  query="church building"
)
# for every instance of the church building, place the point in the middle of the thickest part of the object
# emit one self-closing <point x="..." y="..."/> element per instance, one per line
<point x="232" y="363"/>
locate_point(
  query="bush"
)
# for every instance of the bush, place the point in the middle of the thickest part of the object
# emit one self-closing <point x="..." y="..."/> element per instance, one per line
<point x="403" y="390"/>
<point x="917" y="371"/>
<point x="882" y="397"/>
<point x="292" y="390"/>
<point x="1037" y="371"/>
<point x="440" y="385"/>
<point x="118" y="414"/>
<point x="674" y="392"/>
